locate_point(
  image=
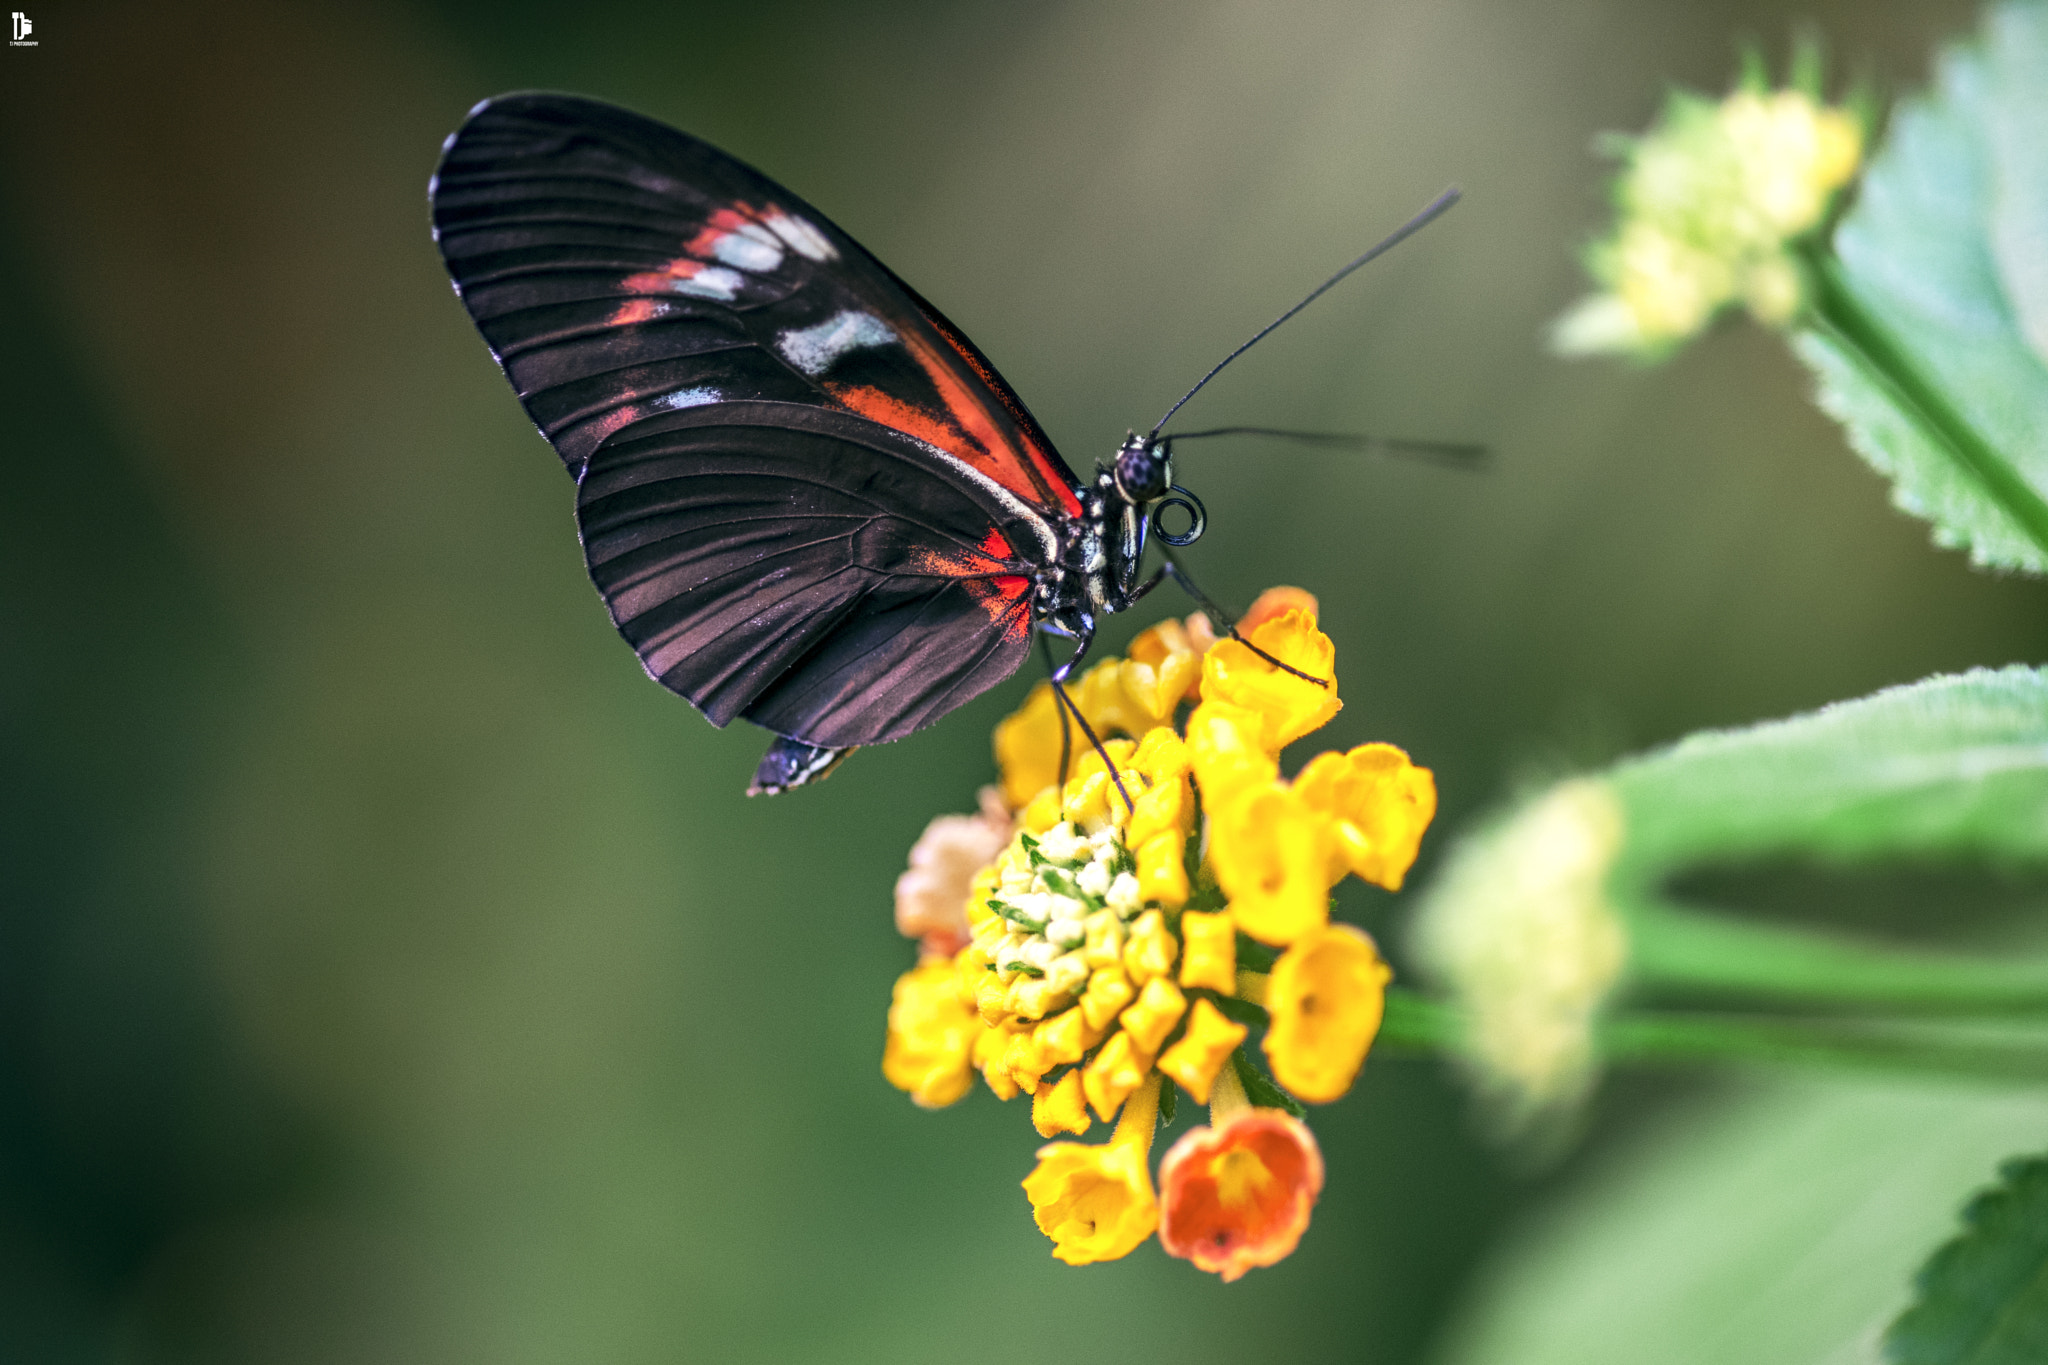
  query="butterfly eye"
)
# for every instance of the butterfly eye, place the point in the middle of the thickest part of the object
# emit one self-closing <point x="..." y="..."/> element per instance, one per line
<point x="1143" y="470"/>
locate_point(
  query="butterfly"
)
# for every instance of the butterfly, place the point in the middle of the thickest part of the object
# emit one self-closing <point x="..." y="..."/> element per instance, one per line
<point x="806" y="499"/>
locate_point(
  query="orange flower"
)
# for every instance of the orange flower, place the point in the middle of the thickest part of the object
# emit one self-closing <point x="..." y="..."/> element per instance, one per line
<point x="1238" y="1195"/>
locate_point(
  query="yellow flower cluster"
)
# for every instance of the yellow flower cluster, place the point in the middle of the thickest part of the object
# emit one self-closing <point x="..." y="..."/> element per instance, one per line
<point x="1710" y="200"/>
<point x="1104" y="954"/>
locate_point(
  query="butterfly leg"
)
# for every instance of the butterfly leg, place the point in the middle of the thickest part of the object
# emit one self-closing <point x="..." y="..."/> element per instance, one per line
<point x="1066" y="726"/>
<point x="1179" y="575"/>
<point x="1082" y="640"/>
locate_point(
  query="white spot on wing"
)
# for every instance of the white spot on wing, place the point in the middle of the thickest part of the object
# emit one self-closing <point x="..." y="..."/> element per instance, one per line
<point x="815" y="350"/>
<point x="712" y="282"/>
<point x="687" y="398"/>
<point x="746" y="251"/>
<point x="803" y="238"/>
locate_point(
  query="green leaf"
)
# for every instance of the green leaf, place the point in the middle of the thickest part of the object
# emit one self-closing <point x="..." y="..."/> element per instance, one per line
<point x="1254" y="956"/>
<point x="1235" y="1010"/>
<point x="2017" y="54"/>
<point x="1169" y="1101"/>
<point x="1984" y="1296"/>
<point x="1940" y="279"/>
<point x="1952" y="768"/>
<point x="1955" y="764"/>
<point x="1261" y="1089"/>
<point x="1777" y="1226"/>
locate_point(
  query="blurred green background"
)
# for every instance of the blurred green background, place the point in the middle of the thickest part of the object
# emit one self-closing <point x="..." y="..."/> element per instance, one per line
<point x="390" y="972"/>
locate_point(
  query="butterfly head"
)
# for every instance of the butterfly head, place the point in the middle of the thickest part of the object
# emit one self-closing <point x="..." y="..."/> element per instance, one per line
<point x="1143" y="469"/>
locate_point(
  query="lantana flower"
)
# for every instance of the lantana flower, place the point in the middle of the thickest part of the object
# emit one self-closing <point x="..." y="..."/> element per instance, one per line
<point x="1119" y="949"/>
<point x="1521" y="930"/>
<point x="1096" y="1202"/>
<point x="1712" y="201"/>
<point x="1236" y="1194"/>
<point x="932" y="894"/>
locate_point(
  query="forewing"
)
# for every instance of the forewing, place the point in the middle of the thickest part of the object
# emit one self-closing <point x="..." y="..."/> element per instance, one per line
<point x="622" y="270"/>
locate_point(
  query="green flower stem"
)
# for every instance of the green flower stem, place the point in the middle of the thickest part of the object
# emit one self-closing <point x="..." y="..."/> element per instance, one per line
<point x="1673" y="946"/>
<point x="1644" y="1036"/>
<point x="1837" y="311"/>
<point x="1418" y="1025"/>
<point x="1415" y="1023"/>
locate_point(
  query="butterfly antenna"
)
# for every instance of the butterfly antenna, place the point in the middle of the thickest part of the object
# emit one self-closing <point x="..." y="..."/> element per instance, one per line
<point x="1456" y="454"/>
<point x="1431" y="211"/>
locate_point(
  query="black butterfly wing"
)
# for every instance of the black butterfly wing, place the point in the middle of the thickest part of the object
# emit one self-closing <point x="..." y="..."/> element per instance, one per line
<point x="807" y="569"/>
<point x="806" y="499"/>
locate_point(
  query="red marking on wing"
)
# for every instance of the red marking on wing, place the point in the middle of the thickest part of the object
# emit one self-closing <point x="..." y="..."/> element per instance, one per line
<point x="657" y="281"/>
<point x="965" y="430"/>
<point x="1004" y="455"/>
<point x="722" y="223"/>
<point x="604" y="424"/>
<point x="871" y="403"/>
<point x="1046" y="466"/>
<point x="635" y="310"/>
<point x="979" y="570"/>
<point x="1003" y="600"/>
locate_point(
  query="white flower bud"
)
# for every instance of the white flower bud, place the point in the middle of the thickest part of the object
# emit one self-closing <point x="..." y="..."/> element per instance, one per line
<point x="1066" y="933"/>
<point x="1064" y="907"/>
<point x="1067" y="974"/>
<point x="1062" y="843"/>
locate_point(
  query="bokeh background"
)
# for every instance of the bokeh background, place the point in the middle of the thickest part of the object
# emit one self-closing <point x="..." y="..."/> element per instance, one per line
<point x="389" y="972"/>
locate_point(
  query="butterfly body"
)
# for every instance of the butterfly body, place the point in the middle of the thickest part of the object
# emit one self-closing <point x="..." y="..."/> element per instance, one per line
<point x="805" y="498"/>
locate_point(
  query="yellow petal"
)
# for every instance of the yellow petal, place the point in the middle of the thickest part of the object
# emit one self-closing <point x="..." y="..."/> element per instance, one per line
<point x="1109" y="990"/>
<point x="1158" y="1008"/>
<point x="1060" y="1108"/>
<point x="1209" y="951"/>
<point x="1150" y="949"/>
<point x="1097" y="1203"/>
<point x="1027" y="743"/>
<point x="1271" y="852"/>
<point x="1382" y="804"/>
<point x="1119" y="1069"/>
<point x="931" y="1036"/>
<point x="1202" y="1051"/>
<point x="1326" y="997"/>
<point x="1227" y="748"/>
<point x="1288" y="706"/>
<point x="990" y="1045"/>
<point x="1065" y="1037"/>
<point x="1162" y="869"/>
